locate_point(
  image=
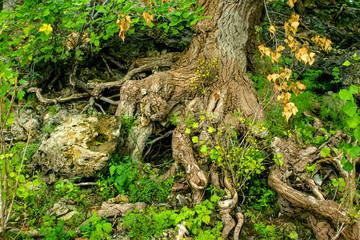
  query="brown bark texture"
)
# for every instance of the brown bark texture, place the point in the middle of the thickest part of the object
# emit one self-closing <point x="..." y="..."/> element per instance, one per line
<point x="226" y="37"/>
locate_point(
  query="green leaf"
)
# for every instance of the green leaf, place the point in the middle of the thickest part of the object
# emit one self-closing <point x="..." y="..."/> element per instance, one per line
<point x="206" y="219"/>
<point x="107" y="227"/>
<point x="21" y="178"/>
<point x="211" y="130"/>
<point x="188" y="131"/>
<point x="354" y="89"/>
<point x="350" y="108"/>
<point x="20" y="95"/>
<point x="325" y="152"/>
<point x="348" y="166"/>
<point x="347" y="63"/>
<point x="346" y="95"/>
<point x="215" y="198"/>
<point x="195" y="139"/>
<point x="353" y="122"/>
<point x="357" y="133"/>
<point x="112" y="170"/>
<point x="204" y="149"/>
<point x="354" y="152"/>
<point x="96" y="43"/>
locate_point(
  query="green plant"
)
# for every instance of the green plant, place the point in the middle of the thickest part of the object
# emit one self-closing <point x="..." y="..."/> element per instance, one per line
<point x="12" y="180"/>
<point x="59" y="32"/>
<point x="123" y="172"/>
<point x="148" y="224"/>
<point x="153" y="221"/>
<point x="53" y="109"/>
<point x="148" y="189"/>
<point x="259" y="196"/>
<point x="57" y="232"/>
<point x="351" y="150"/>
<point x="48" y="128"/>
<point x="207" y="74"/>
<point x="335" y="73"/>
<point x="238" y="154"/>
<point x="96" y="228"/>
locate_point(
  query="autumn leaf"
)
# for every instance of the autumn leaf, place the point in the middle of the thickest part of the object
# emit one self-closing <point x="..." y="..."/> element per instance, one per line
<point x="46" y="28"/>
<point x="291" y="3"/>
<point x="124" y="25"/>
<point x="289" y="110"/>
<point x="148" y="18"/>
<point x="272" y="30"/>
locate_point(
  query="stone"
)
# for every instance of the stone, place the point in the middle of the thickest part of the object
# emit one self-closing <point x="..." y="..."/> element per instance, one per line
<point x="80" y="147"/>
<point x="68" y="215"/>
<point x="59" y="209"/>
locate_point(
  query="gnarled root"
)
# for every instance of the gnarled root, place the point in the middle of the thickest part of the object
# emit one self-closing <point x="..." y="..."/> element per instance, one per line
<point x="240" y="221"/>
<point x="184" y="154"/>
<point x="328" y="219"/>
<point x="226" y="207"/>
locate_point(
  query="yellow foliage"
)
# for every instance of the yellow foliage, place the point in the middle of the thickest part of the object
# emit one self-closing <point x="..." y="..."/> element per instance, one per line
<point x="124" y="25"/>
<point x="148" y="18"/>
<point x="46" y="28"/>
<point x="289" y="110"/>
<point x="323" y="43"/>
<point x="291" y="3"/>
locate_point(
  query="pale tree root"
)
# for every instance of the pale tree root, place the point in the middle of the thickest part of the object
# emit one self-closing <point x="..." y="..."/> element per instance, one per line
<point x="328" y="219"/>
<point x="184" y="154"/>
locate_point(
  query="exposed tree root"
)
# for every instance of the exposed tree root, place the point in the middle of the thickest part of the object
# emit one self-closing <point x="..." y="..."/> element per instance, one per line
<point x="42" y="99"/>
<point x="326" y="216"/>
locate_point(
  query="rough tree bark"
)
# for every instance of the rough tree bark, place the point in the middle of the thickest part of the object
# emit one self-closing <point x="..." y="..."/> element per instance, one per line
<point x="227" y="36"/>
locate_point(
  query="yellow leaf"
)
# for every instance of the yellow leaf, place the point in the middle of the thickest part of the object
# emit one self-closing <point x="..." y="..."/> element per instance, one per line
<point x="272" y="30"/>
<point x="46" y="28"/>
<point x="124" y="25"/>
<point x="148" y="18"/>
<point x="291" y="3"/>
<point x="300" y="86"/>
<point x="280" y="48"/>
<point x="294" y="26"/>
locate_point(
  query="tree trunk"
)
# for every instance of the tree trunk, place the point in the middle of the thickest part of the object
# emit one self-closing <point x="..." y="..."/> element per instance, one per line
<point x="228" y="38"/>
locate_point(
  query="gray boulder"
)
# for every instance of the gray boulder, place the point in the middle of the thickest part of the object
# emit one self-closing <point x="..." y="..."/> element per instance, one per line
<point x="80" y="147"/>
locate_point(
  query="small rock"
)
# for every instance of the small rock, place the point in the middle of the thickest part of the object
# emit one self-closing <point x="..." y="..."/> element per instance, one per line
<point x="68" y="215"/>
<point x="59" y="209"/>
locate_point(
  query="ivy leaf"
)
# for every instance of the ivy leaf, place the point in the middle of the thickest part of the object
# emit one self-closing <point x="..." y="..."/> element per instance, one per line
<point x="46" y="28"/>
<point x="353" y="122"/>
<point x="348" y="166"/>
<point x="350" y="108"/>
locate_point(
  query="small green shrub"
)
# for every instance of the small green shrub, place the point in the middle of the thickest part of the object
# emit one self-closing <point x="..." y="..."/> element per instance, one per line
<point x="57" y="232"/>
<point x="149" y="189"/>
<point x="123" y="172"/>
<point x="154" y="221"/>
<point x="96" y="228"/>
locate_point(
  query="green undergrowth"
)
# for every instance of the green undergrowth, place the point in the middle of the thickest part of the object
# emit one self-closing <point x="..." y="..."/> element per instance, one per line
<point x="153" y="221"/>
